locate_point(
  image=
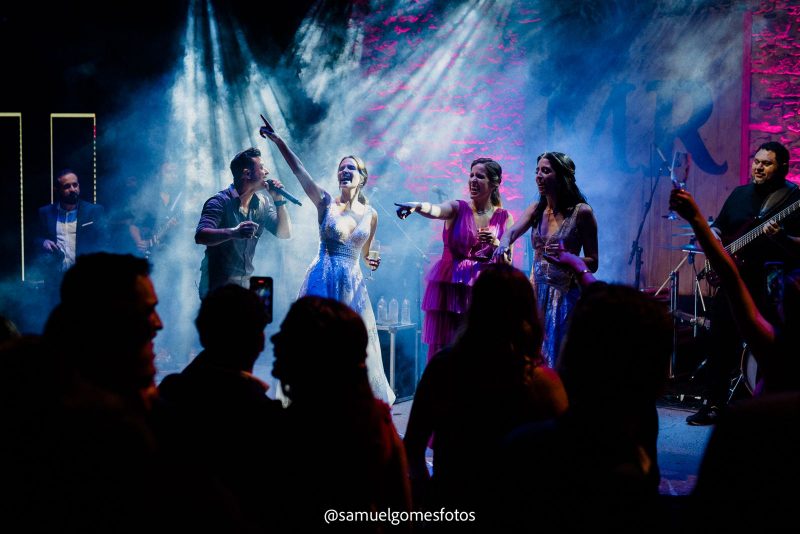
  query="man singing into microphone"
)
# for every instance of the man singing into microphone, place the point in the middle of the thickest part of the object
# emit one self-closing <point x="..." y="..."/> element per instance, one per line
<point x="234" y="219"/>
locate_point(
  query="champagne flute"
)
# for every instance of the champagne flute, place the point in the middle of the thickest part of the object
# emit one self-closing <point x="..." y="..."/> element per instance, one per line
<point x="678" y="173"/>
<point x="487" y="235"/>
<point x="374" y="254"/>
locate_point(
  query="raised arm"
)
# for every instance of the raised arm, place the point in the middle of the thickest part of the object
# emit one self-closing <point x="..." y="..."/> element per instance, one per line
<point x="445" y="210"/>
<point x="314" y="192"/>
<point x="754" y="328"/>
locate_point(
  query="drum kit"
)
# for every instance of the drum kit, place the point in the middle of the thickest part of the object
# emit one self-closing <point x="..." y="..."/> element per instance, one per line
<point x="748" y="375"/>
<point x="697" y="318"/>
<point x="679" y="174"/>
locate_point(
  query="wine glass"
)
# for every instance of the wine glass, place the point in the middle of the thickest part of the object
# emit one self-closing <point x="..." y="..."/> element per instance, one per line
<point x="678" y="173"/>
<point x="374" y="254"/>
<point x="487" y="236"/>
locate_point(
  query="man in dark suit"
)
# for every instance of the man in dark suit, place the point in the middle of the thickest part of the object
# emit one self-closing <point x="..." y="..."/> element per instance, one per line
<point x="71" y="226"/>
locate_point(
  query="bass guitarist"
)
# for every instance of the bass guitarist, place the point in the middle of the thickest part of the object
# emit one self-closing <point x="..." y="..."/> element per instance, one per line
<point x="749" y="208"/>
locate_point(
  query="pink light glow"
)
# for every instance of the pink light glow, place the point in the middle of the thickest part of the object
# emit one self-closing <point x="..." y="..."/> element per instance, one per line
<point x="774" y="53"/>
<point x="766" y="127"/>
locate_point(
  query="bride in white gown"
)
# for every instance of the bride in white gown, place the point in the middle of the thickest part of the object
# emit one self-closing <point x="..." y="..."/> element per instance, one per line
<point x="346" y="229"/>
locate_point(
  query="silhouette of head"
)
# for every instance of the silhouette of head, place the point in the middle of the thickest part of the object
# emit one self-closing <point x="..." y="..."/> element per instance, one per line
<point x="231" y="324"/>
<point x="515" y="322"/>
<point x="618" y="345"/>
<point x="321" y="346"/>
<point x="107" y="320"/>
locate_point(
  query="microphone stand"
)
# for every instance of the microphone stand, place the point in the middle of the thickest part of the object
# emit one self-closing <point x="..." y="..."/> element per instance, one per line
<point x="636" y="249"/>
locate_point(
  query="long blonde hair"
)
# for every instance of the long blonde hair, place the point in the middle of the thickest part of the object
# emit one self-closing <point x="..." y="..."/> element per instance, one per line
<point x="362" y="170"/>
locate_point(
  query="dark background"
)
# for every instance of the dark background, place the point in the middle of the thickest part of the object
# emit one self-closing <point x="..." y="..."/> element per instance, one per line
<point x="75" y="57"/>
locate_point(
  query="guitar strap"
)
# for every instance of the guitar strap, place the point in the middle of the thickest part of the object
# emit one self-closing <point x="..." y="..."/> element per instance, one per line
<point x="776" y="198"/>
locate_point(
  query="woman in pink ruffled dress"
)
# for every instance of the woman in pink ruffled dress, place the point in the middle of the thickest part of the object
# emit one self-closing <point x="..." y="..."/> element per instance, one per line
<point x="472" y="230"/>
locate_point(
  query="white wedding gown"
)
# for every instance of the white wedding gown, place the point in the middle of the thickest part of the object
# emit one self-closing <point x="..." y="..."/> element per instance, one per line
<point x="336" y="273"/>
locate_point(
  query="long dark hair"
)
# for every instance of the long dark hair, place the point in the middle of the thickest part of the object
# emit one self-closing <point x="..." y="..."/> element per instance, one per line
<point x="613" y="321"/>
<point x="568" y="194"/>
<point x="495" y="175"/>
<point x="507" y="338"/>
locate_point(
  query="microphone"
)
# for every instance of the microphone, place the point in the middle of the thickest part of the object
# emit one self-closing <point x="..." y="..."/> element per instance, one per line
<point x="270" y="184"/>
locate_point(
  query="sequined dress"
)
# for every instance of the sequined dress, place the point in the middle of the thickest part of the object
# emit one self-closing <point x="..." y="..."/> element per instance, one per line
<point x="557" y="291"/>
<point x="336" y="273"/>
<point x="449" y="282"/>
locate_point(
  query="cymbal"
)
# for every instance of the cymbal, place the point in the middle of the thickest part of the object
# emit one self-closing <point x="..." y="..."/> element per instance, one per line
<point x="686" y="234"/>
<point x="686" y="248"/>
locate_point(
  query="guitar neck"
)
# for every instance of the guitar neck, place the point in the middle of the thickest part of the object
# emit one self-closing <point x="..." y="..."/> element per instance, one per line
<point x="749" y="237"/>
<point x="158" y="234"/>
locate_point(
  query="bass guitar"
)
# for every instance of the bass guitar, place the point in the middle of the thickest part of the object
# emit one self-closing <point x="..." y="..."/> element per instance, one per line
<point x="738" y="244"/>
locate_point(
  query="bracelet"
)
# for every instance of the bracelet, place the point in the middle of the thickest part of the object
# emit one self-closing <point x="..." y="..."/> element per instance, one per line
<point x="279" y="203"/>
<point x="584" y="271"/>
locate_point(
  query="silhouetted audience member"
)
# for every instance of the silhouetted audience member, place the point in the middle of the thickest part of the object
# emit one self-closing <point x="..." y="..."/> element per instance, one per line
<point x="595" y="467"/>
<point x="105" y="325"/>
<point x="471" y="395"/>
<point x="84" y="448"/>
<point x="36" y="437"/>
<point x="223" y="419"/>
<point x="340" y="450"/>
<point x="748" y="478"/>
<point x="81" y="449"/>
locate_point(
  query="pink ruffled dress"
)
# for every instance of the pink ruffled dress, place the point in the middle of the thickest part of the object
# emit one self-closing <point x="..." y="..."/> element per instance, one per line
<point x="449" y="282"/>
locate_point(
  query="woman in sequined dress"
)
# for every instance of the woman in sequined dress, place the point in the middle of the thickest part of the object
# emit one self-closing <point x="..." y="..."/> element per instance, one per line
<point x="472" y="230"/>
<point x="561" y="220"/>
<point x="346" y="227"/>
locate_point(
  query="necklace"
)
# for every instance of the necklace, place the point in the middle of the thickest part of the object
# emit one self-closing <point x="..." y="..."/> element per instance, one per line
<point x="484" y="212"/>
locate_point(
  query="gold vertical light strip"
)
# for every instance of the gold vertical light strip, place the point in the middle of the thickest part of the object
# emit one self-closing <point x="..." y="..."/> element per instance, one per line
<point x="94" y="157"/>
<point x="92" y="116"/>
<point x="21" y="205"/>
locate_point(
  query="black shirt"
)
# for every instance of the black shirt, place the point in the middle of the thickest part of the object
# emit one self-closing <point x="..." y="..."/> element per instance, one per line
<point x="739" y="215"/>
<point x="232" y="261"/>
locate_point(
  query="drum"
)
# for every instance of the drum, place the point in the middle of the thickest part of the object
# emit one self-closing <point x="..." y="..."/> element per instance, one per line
<point x="749" y="369"/>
